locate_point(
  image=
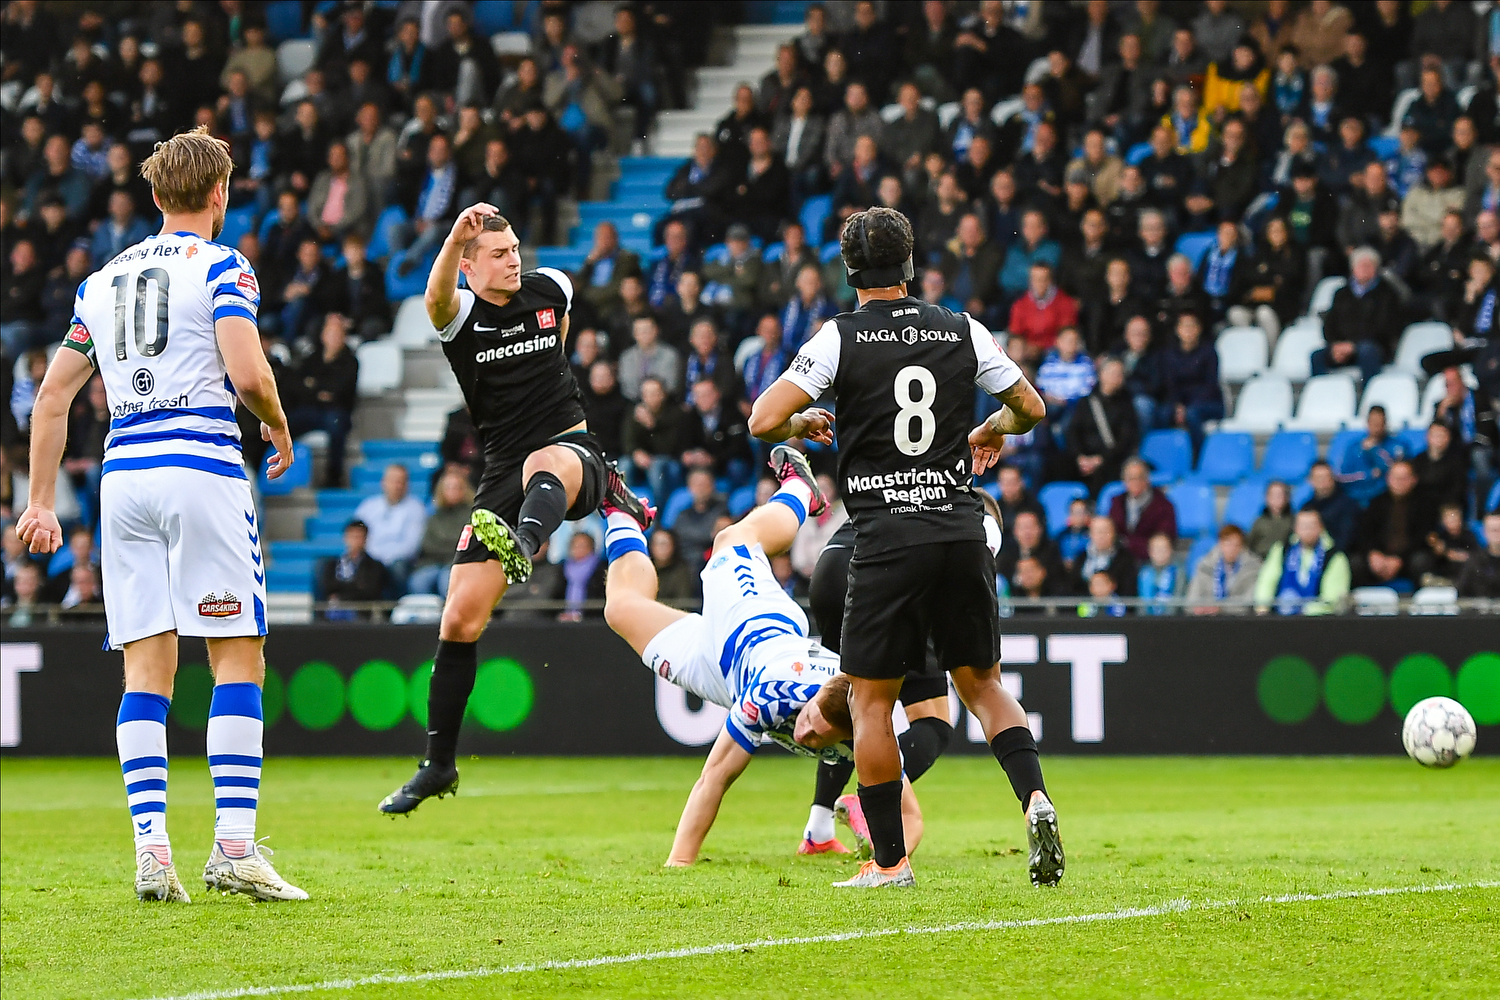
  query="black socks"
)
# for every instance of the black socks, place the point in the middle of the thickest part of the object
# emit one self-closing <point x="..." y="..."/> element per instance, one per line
<point x="544" y="508"/>
<point x="453" y="672"/>
<point x="831" y="781"/>
<point x="1015" y="749"/>
<point x="882" y="808"/>
<point x="923" y="744"/>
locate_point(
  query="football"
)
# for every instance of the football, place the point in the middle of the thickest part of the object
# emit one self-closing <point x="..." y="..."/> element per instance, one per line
<point x="1438" y="732"/>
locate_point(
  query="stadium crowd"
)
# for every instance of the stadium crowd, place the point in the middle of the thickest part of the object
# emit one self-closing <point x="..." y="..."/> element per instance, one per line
<point x="1088" y="138"/>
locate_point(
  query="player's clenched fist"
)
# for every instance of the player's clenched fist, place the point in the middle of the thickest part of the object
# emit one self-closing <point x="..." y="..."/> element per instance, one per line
<point x="470" y="222"/>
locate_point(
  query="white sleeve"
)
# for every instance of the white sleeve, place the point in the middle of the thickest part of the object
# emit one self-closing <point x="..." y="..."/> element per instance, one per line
<point x="465" y="306"/>
<point x="233" y="288"/>
<point x="996" y="371"/>
<point x="992" y="536"/>
<point x="562" y="281"/>
<point x="814" y="367"/>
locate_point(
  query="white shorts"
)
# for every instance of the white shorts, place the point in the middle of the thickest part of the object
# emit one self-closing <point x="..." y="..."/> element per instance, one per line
<point x="181" y="553"/>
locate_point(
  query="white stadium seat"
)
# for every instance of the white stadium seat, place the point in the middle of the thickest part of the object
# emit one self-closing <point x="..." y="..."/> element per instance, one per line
<point x="1038" y="70"/>
<point x="1397" y="392"/>
<point x="1242" y="353"/>
<point x="510" y="43"/>
<point x="1327" y="404"/>
<point x="294" y="57"/>
<point x="1399" y="107"/>
<point x="1418" y="341"/>
<point x="891" y="112"/>
<point x="1265" y="403"/>
<point x="1294" y="350"/>
<point x="283" y="608"/>
<point x="947" y="112"/>
<point x="1436" y="388"/>
<point x="751" y="345"/>
<point x="1435" y="601"/>
<point x="412" y="327"/>
<point x="1006" y="110"/>
<point x="1322" y="297"/>
<point x="379" y="367"/>
<point x="1376" y="600"/>
<point x="418" y="609"/>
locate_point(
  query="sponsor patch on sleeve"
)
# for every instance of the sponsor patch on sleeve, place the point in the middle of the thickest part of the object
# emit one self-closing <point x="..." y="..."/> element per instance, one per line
<point x="546" y="318"/>
<point x="79" y="339"/>
<point x="247" y="283"/>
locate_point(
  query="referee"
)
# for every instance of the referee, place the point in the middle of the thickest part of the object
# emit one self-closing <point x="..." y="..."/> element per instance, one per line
<point x="900" y="371"/>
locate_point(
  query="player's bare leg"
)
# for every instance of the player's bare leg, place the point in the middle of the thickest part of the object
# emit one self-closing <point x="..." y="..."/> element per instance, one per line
<point x="552" y="477"/>
<point x="1010" y="739"/>
<point x="774" y="525"/>
<point x="141" y="733"/>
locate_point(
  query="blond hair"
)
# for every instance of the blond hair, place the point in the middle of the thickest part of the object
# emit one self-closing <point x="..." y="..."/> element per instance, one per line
<point x="184" y="170"/>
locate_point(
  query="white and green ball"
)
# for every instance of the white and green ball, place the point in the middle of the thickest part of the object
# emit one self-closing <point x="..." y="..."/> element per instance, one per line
<point x="1438" y="732"/>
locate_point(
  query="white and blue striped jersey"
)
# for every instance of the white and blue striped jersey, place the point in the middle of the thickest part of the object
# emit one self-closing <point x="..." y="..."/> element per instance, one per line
<point x="146" y="321"/>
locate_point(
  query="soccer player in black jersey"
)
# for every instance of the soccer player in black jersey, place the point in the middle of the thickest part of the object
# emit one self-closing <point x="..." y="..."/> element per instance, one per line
<point x="504" y="335"/>
<point x="900" y="371"/>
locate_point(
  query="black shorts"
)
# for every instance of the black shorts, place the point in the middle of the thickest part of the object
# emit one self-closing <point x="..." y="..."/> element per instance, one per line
<point x="503" y="491"/>
<point x="899" y="599"/>
<point x="826" y="597"/>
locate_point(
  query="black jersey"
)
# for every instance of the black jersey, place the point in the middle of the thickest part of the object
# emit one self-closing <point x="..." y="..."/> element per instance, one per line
<point x="903" y="374"/>
<point x="512" y="366"/>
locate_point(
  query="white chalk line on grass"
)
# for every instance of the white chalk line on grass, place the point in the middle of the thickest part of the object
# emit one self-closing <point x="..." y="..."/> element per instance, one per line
<point x="1129" y="913"/>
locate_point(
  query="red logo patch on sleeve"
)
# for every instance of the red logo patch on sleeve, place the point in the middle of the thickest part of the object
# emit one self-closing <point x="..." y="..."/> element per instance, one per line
<point x="464" y="536"/>
<point x="546" y="318"/>
<point x="247" y="283"/>
<point x="78" y="334"/>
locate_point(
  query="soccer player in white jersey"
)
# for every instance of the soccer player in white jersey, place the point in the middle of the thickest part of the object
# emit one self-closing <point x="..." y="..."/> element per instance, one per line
<point x="748" y="651"/>
<point x="170" y="326"/>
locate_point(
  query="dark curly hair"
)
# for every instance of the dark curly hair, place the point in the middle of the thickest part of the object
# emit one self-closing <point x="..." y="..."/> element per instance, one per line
<point x="887" y="233"/>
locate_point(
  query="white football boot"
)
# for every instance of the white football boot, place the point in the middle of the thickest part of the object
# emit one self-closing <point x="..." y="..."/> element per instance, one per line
<point x="872" y="876"/>
<point x="157" y="882"/>
<point x="252" y="876"/>
<point x="1044" y="844"/>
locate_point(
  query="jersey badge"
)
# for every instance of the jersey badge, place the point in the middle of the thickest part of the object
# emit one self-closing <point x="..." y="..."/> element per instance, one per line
<point x="546" y="318"/>
<point x="214" y="606"/>
<point x="247" y="283"/>
<point x="192" y="249"/>
<point x="665" y="670"/>
<point x="802" y="364"/>
<point x="751" y="712"/>
<point x="909" y="335"/>
<point x="798" y="667"/>
<point x="464" y="536"/>
<point x="78" y="334"/>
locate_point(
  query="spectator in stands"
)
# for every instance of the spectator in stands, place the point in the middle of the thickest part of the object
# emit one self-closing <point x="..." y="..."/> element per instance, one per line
<point x="857" y="185"/>
<point x="1124" y="90"/>
<point x="1450" y="546"/>
<point x="1039" y="316"/>
<point x="696" y="526"/>
<point x="798" y="139"/>
<point x="372" y="153"/>
<point x="675" y="581"/>
<point x="971" y="267"/>
<point x="357" y="292"/>
<point x="304" y="292"/>
<point x="763" y="195"/>
<point x="1359" y="219"/>
<point x="1002" y="210"/>
<point x="1103" y="430"/>
<point x="629" y="305"/>
<point x="585" y="352"/>
<point x="1226" y="572"/>
<point x="1039" y="169"/>
<point x="1065" y="376"/>
<point x="778" y="86"/>
<point x="1031" y="580"/>
<point x="327" y="381"/>
<point x="1085" y="259"/>
<point x="599" y="275"/>
<point x="339" y="204"/>
<point x="684" y="310"/>
<point x="1270" y="292"/>
<point x="1191" y="393"/>
<point x="55" y="234"/>
<point x="1443" y="274"/>
<point x="714" y="434"/>
<point x="1425" y="206"/>
<point x="699" y="191"/>
<point x="59" y="569"/>
<point x="1482" y="192"/>
<point x="1182" y="294"/>
<point x="1471" y="416"/>
<point x="499" y="181"/>
<point x="1339" y="511"/>
<point x="1104" y="317"/>
<point x="253" y="58"/>
<point x="806" y="311"/>
<point x="605" y="407"/>
<point x="1388" y="545"/>
<point x="1160" y="578"/>
<point x="1345" y="161"/>
<point x="628" y="57"/>
<point x="21" y="294"/>
<point x="908" y="139"/>
<point x="935" y="290"/>
<point x="1304" y="572"/>
<point x="1027" y="539"/>
<point x="302" y="144"/>
<point x="1481" y="574"/>
<point x="1075" y="534"/>
<point x="579" y="97"/>
<point x="394" y="520"/>
<point x="432" y="210"/>
<point x="1034" y="247"/>
<point x="61" y="287"/>
<point x="1397" y="250"/>
<point x="1105" y="555"/>
<point x="667" y="270"/>
<point x="1366" y="464"/>
<point x="652" y="438"/>
<point x="583" y="578"/>
<point x="1148" y="259"/>
<point x="543" y="156"/>
<point x="989" y="54"/>
<point x="1224" y="271"/>
<point x="355" y="575"/>
<point x="1275" y="520"/>
<point x="1364" y="321"/>
<point x="57" y="177"/>
<point x="450" y="514"/>
<point x="1013" y="496"/>
<point x="733" y="130"/>
<point x="1312" y="217"/>
<point x="1188" y="123"/>
<point x="122" y="230"/>
<point x="1142" y="510"/>
<point x="1103" y="169"/>
<point x="1442" y="474"/>
<point x="765" y="366"/>
<point x="649" y="357"/>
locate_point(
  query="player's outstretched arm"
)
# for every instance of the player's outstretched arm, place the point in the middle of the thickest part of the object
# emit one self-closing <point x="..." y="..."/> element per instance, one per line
<point x="726" y="762"/>
<point x="783" y="411"/>
<point x="441" y="296"/>
<point x="69" y="372"/>
<point x="255" y="385"/>
<point x="1023" y="410"/>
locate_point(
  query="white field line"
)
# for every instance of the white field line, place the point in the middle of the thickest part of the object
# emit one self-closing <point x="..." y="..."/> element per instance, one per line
<point x="1130" y="913"/>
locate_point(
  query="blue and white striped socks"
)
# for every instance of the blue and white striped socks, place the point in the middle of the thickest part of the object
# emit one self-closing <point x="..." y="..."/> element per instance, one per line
<point x="796" y="496"/>
<point x="235" y="729"/>
<point x="623" y="534"/>
<point x="141" y="736"/>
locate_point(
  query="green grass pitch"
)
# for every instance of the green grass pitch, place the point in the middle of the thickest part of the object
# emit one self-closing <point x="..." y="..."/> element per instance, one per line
<point x="548" y="860"/>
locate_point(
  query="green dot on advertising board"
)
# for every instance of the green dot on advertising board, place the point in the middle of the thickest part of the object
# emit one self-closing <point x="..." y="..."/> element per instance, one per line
<point x="1478" y="687"/>
<point x="1288" y="689"/>
<point x="1418" y="676"/>
<point x="1354" y="689"/>
<point x="502" y="694"/>
<point x="272" y="697"/>
<point x="316" y="696"/>
<point x="416" y="692"/>
<point x="377" y="695"/>
<point x="192" y="692"/>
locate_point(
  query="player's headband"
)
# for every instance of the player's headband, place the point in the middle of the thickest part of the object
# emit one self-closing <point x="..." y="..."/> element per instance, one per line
<point x="877" y="277"/>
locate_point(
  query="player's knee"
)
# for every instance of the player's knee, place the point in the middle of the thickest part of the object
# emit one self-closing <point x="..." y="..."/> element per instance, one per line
<point x="463" y="623"/>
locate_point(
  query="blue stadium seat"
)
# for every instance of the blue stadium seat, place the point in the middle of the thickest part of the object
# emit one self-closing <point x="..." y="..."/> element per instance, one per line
<point x="237" y="222"/>
<point x="1135" y="154"/>
<point x="741" y="501"/>
<point x="563" y="258"/>
<point x="422" y="454"/>
<point x="491" y="16"/>
<point x="679" y="501"/>
<point x="772" y="253"/>
<point x="319" y="549"/>
<point x="815" y="212"/>
<point x="295" y="577"/>
<point x="1492" y="504"/>
<point x="1055" y="499"/>
<point x="340" y="501"/>
<point x="830" y="252"/>
<point x="1383" y="146"/>
<point x="1169" y="453"/>
<point x="399" y="288"/>
<point x="1201" y="547"/>
<point x="322" y="526"/>
<point x="1107" y="494"/>
<point x="284" y="20"/>
<point x="380" y="240"/>
<point x="1289" y="454"/>
<point x="647" y="164"/>
<point x="1415" y="439"/>
<point x="1227" y="458"/>
<point x="1194" y="500"/>
<point x="1342" y="447"/>
<point x="1195" y="245"/>
<point x="1246" y="501"/>
<point x="1301" y="493"/>
<point x="300" y="474"/>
